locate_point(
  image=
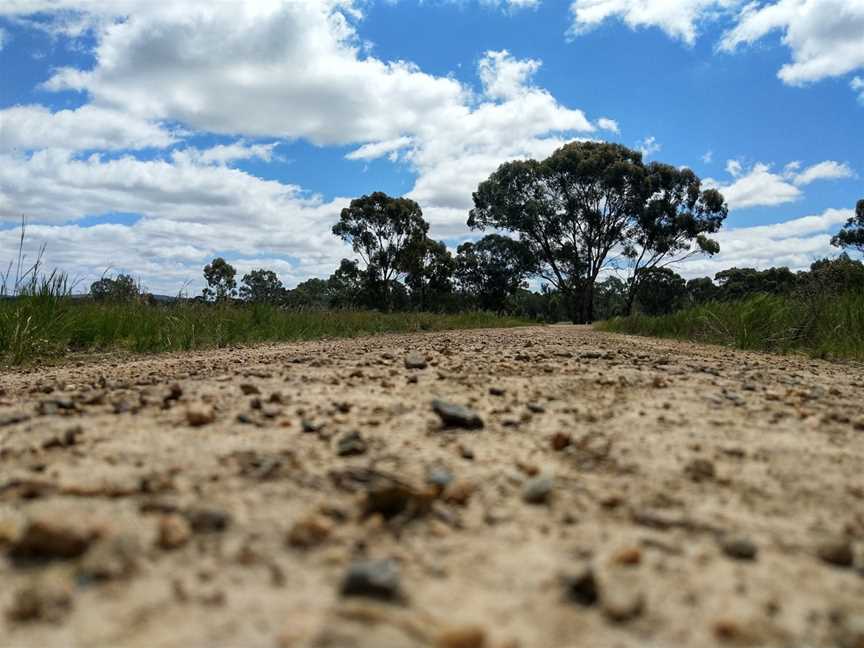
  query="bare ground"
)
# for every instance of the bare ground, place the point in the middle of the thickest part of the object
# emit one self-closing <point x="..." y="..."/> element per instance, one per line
<point x="622" y="492"/>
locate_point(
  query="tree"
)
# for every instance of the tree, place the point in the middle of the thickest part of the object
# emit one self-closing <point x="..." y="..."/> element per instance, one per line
<point x="312" y="293"/>
<point x="852" y="234"/>
<point x="492" y="270"/>
<point x="347" y="286"/>
<point x="738" y="283"/>
<point x="610" y="298"/>
<point x="121" y="288"/>
<point x="262" y="287"/>
<point x="221" y="285"/>
<point x="660" y="291"/>
<point x="701" y="290"/>
<point x="380" y="229"/>
<point x="673" y="224"/>
<point x="428" y="267"/>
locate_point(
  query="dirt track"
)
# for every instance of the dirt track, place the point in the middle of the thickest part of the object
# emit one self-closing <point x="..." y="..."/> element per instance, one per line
<point x="622" y="492"/>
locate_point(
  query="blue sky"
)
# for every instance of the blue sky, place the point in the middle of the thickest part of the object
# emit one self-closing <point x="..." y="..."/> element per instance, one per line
<point x="149" y="137"/>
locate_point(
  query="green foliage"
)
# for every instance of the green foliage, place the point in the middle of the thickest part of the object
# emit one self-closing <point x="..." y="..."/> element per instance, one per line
<point x="823" y="325"/>
<point x="122" y="288"/>
<point x="660" y="291"/>
<point x="490" y="271"/>
<point x="428" y="267"/>
<point x="262" y="287"/>
<point x="221" y="285"/>
<point x="50" y="324"/>
<point x="852" y="234"/>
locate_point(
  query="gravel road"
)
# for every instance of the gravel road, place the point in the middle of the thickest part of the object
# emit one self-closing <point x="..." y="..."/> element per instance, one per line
<point x="543" y="487"/>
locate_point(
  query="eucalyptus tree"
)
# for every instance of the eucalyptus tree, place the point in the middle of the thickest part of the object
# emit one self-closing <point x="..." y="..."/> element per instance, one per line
<point x="852" y="234"/>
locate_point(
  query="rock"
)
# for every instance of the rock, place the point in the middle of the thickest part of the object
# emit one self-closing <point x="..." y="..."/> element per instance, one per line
<point x="457" y="416"/>
<point x="65" y="439"/>
<point x="466" y="452"/>
<point x="537" y="490"/>
<point x="627" y="556"/>
<point x="415" y="361"/>
<point x="309" y="532"/>
<point x="207" y="520"/>
<point x="377" y="579"/>
<point x="700" y="470"/>
<point x="561" y="440"/>
<point x="739" y="548"/>
<point x="310" y="427"/>
<point x="462" y="637"/>
<point x="439" y="477"/>
<point x="249" y="389"/>
<point x="582" y="588"/>
<point x="51" y="538"/>
<point x="390" y="498"/>
<point x="174" y="531"/>
<point x="621" y="604"/>
<point x="198" y="414"/>
<point x="836" y="552"/>
<point x="46" y="598"/>
<point x="536" y="408"/>
<point x="351" y="443"/>
<point x="497" y="391"/>
<point x="459" y="493"/>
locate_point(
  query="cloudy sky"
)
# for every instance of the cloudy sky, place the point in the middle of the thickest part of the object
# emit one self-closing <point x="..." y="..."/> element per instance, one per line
<point x="147" y="136"/>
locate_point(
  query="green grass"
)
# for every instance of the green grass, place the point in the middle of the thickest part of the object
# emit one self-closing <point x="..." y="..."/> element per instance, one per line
<point x="45" y="325"/>
<point x="825" y="326"/>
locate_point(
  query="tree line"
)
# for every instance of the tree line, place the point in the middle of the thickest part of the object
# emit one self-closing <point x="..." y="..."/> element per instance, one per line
<point x="589" y="209"/>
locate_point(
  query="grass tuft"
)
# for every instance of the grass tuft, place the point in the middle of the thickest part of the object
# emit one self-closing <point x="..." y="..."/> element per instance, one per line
<point x="824" y="326"/>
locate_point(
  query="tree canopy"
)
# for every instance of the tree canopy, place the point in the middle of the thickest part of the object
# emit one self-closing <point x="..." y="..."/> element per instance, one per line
<point x="852" y="234"/>
<point x="221" y="285"/>
<point x="261" y="287"/>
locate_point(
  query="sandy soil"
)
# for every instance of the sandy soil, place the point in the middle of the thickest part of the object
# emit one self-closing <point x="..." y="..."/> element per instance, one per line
<point x="621" y="492"/>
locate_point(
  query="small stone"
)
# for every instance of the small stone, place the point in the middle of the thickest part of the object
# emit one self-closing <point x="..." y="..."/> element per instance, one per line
<point x="175" y="391"/>
<point x="739" y="548"/>
<point x="462" y="637"/>
<point x="439" y="477"/>
<point x="199" y="414"/>
<point x="377" y="579"/>
<point x="582" y="588"/>
<point x="208" y="520"/>
<point x="628" y="556"/>
<point x="561" y="440"/>
<point x="249" y="389"/>
<point x="174" y="531"/>
<point x="466" y="452"/>
<point x="700" y="470"/>
<point x="310" y="427"/>
<point x="836" y="552"/>
<point x="457" y="416"/>
<point x="497" y="391"/>
<point x="459" y="493"/>
<point x="536" y="408"/>
<point x="537" y="490"/>
<point x="415" y="361"/>
<point x="351" y="443"/>
<point x="45" y="539"/>
<point x="621" y="604"/>
<point x="114" y="558"/>
<point x="309" y="532"/>
<point x="46" y="598"/>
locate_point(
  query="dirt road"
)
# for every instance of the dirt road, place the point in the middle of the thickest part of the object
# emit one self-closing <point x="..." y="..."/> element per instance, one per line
<point x="620" y="492"/>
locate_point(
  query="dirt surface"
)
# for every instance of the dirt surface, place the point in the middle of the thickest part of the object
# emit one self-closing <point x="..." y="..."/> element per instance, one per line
<point x="621" y="492"/>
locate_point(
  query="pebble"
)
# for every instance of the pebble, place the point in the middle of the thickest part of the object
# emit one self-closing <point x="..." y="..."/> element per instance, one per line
<point x="561" y="440"/>
<point x="457" y="416"/>
<point x="51" y="538"/>
<point x="415" y="361"/>
<point x="208" y="520"/>
<point x="350" y="444"/>
<point x="439" y="477"/>
<point x="462" y="637"/>
<point x="700" y="470"/>
<point x="46" y="598"/>
<point x="739" y="548"/>
<point x="621" y="604"/>
<point x="199" y="414"/>
<point x="836" y="552"/>
<point x="537" y="490"/>
<point x="497" y="391"/>
<point x="377" y="579"/>
<point x="249" y="389"/>
<point x="174" y="531"/>
<point x="582" y="588"/>
<point x="114" y="558"/>
<point x="309" y="532"/>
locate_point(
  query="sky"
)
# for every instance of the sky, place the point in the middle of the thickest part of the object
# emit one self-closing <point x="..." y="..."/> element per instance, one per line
<point x="148" y="137"/>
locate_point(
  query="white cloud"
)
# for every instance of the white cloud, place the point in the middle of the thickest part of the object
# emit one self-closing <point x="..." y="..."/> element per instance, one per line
<point x="678" y="18"/>
<point x="649" y="146"/>
<point x="379" y="149"/>
<point x="827" y="170"/>
<point x="795" y="243"/>
<point x="708" y="157"/>
<point x="824" y="36"/>
<point x="761" y="187"/>
<point x="608" y="124"/>
<point x="857" y="85"/>
<point x="505" y="77"/>
<point x="226" y="153"/>
<point x="88" y="127"/>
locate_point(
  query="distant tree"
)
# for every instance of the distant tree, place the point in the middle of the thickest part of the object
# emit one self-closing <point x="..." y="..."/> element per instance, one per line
<point x="610" y="298"/>
<point x="701" y="290"/>
<point x="262" y="287"/>
<point x="428" y="267"/>
<point x="492" y="270"/>
<point x="673" y="224"/>
<point x="661" y="291"/>
<point x="738" y="283"/>
<point x="838" y="275"/>
<point x="221" y="285"/>
<point x="122" y="288"/>
<point x="310" y="294"/>
<point x="380" y="229"/>
<point x="348" y="287"/>
<point x="852" y="234"/>
<point x="571" y="210"/>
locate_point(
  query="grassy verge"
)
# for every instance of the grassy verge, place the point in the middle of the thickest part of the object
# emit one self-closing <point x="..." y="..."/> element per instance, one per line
<point x="826" y="326"/>
<point x="42" y="326"/>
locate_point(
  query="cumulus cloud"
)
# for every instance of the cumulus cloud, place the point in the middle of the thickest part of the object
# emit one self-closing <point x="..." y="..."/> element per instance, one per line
<point x="649" y="146"/>
<point x="857" y="85"/>
<point x="376" y="150"/>
<point x="88" y="127"/>
<point x="760" y="186"/>
<point x="794" y="243"/>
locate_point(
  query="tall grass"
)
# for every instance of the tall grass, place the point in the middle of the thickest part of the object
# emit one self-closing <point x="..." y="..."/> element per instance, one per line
<point x="49" y="325"/>
<point x="823" y="325"/>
